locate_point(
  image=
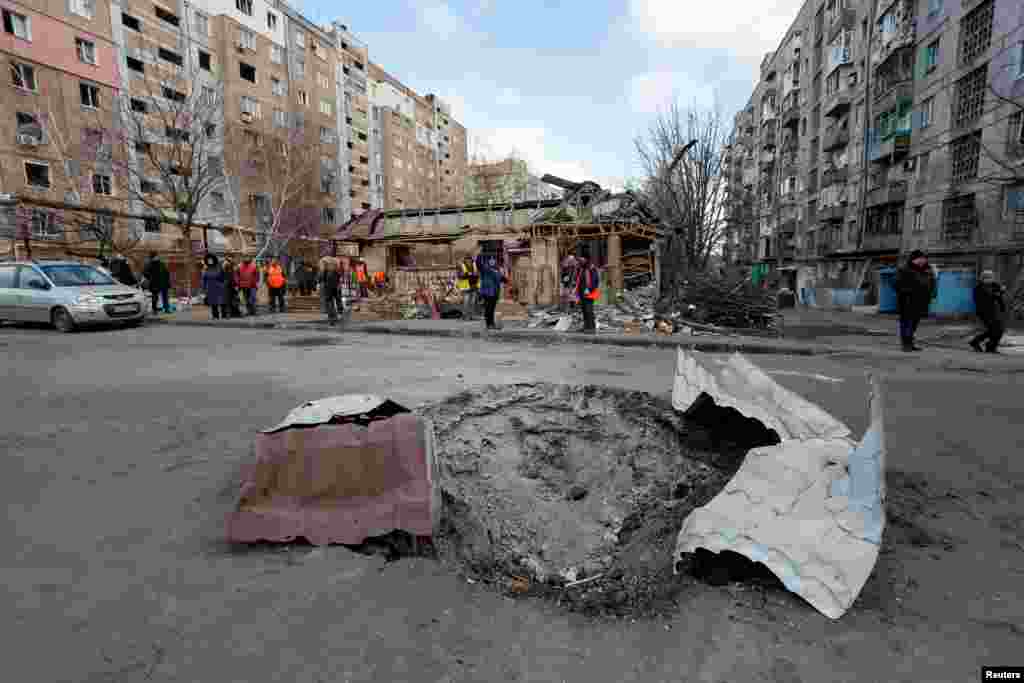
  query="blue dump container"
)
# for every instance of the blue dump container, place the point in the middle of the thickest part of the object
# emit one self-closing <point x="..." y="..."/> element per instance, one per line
<point x="955" y="293"/>
<point x="887" y="301"/>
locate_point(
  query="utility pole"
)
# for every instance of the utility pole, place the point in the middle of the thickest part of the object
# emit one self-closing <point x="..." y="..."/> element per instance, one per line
<point x="666" y="181"/>
<point x="862" y="207"/>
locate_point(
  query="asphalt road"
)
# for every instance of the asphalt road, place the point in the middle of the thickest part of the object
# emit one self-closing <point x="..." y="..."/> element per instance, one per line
<point x="120" y="448"/>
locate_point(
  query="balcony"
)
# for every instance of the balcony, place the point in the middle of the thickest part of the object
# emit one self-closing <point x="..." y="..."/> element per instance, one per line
<point x="843" y="19"/>
<point x="835" y="138"/>
<point x="888" y="193"/>
<point x="832" y="214"/>
<point x="836" y="104"/>
<point x="767" y="160"/>
<point x="893" y="148"/>
<point x="791" y="117"/>
<point x="836" y="176"/>
<point x="902" y="34"/>
<point x="768" y="137"/>
<point x="888" y="96"/>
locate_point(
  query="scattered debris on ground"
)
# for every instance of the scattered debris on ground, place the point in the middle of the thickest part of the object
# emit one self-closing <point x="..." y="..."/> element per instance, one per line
<point x="573" y="493"/>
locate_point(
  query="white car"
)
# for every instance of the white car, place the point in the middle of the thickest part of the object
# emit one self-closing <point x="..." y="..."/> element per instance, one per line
<point x="66" y="294"/>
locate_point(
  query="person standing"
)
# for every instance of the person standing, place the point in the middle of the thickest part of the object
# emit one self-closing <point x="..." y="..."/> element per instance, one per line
<point x="330" y="287"/>
<point x="491" y="279"/>
<point x="990" y="304"/>
<point x="122" y="271"/>
<point x="915" y="289"/>
<point x="275" y="285"/>
<point x="159" y="280"/>
<point x="231" y="307"/>
<point x="468" y="284"/>
<point x="248" y="283"/>
<point x="214" y="280"/>
<point x="588" y="289"/>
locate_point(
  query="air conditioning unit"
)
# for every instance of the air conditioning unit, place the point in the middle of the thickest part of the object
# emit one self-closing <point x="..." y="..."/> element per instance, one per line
<point x="24" y="139"/>
<point x="247" y="117"/>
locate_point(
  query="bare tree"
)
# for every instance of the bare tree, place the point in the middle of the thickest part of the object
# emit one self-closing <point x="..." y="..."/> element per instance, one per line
<point x="293" y="179"/>
<point x="495" y="179"/>
<point x="168" y="150"/>
<point x="687" y="193"/>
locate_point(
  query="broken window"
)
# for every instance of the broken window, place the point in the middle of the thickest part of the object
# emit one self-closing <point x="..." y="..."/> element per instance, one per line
<point x="89" y="95"/>
<point x="18" y="25"/>
<point x="30" y="129"/>
<point x="244" y="6"/>
<point x="173" y="95"/>
<point x="37" y="174"/>
<point x="169" y="56"/>
<point x="151" y="225"/>
<point x="135" y="65"/>
<point x="128" y="21"/>
<point x="167" y="17"/>
<point x="204" y="61"/>
<point x="247" y="72"/>
<point x="969" y="102"/>
<point x="86" y="50"/>
<point x="102" y="184"/>
<point x="138" y="106"/>
<point x="976" y="32"/>
<point x="23" y="76"/>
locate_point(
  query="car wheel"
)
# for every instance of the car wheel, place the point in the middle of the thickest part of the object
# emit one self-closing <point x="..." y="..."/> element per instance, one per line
<point x="62" y="320"/>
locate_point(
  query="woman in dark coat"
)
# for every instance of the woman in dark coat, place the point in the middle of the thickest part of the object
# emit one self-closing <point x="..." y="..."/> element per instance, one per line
<point x="915" y="289"/>
<point x="214" y="286"/>
<point x="231" y="307"/>
<point x="990" y="305"/>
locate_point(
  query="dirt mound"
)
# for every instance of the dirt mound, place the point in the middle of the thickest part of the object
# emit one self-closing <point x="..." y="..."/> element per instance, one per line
<point x="576" y="492"/>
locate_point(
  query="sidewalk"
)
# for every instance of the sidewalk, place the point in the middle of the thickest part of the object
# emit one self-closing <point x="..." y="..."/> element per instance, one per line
<point x="856" y="345"/>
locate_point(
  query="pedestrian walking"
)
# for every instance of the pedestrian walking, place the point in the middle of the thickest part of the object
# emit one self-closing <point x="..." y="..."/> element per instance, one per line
<point x="568" y="284"/>
<point x="248" y="283"/>
<point x="275" y="285"/>
<point x="491" y="279"/>
<point x="915" y="289"/>
<point x="588" y="289"/>
<point x="158" y="280"/>
<point x="214" y="284"/>
<point x="990" y="305"/>
<point x="468" y="283"/>
<point x="330" y="288"/>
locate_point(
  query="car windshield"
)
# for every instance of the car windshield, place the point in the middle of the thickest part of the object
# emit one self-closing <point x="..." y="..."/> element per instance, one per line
<point x="75" y="275"/>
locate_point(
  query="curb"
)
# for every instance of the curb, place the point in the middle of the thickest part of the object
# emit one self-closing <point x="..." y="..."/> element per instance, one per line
<point x="717" y="346"/>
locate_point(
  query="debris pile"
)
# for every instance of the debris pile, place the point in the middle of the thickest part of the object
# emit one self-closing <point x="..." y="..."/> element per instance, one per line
<point x="726" y="303"/>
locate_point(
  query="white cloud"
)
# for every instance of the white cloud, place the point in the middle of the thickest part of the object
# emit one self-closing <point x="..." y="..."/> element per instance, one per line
<point x="745" y="28"/>
<point x="439" y="19"/>
<point x="653" y="91"/>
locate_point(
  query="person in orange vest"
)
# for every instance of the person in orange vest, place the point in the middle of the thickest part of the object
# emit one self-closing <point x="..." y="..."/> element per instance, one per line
<point x="249" y="282"/>
<point x="361" y="279"/>
<point x="275" y="284"/>
<point x="588" y="289"/>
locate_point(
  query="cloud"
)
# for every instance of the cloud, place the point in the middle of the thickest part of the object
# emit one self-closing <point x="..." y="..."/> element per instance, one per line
<point x="439" y="19"/>
<point x="653" y="91"/>
<point x="746" y="29"/>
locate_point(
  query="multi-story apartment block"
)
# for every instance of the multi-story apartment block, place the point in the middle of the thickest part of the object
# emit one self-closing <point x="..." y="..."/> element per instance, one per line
<point x="878" y="127"/>
<point x="82" y="66"/>
<point x="504" y="181"/>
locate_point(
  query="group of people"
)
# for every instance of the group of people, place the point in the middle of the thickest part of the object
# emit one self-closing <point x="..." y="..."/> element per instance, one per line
<point x="916" y="288"/>
<point x="226" y="285"/>
<point x="480" y="280"/>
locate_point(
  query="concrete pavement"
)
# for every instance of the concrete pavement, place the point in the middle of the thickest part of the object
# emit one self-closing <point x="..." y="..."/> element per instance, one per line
<point x="121" y="449"/>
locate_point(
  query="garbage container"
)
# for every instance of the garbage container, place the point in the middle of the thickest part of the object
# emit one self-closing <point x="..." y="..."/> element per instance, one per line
<point x="786" y="297"/>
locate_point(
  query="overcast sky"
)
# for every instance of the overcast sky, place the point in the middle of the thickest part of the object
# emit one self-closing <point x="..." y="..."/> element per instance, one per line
<point x="567" y="84"/>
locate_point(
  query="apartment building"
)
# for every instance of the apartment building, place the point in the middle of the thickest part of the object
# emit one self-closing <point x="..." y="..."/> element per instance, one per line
<point x="503" y="181"/>
<point x="881" y="127"/>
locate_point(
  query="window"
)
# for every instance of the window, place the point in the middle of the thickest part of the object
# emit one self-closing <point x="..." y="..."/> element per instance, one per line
<point x="1017" y="129"/>
<point x="923" y="161"/>
<point x="919" y="219"/>
<point x="83" y="8"/>
<point x="244" y="6"/>
<point x="29" y="129"/>
<point x="142" y="147"/>
<point x="964" y="153"/>
<point x="169" y="56"/>
<point x="327" y="215"/>
<point x="210" y="130"/>
<point x="173" y="95"/>
<point x="931" y="55"/>
<point x="177" y="134"/>
<point x="167" y="17"/>
<point x="18" y="25"/>
<point x="976" y="32"/>
<point x="204" y="61"/>
<point x="247" y="39"/>
<point x="86" y="50"/>
<point x="326" y="108"/>
<point x="300" y="68"/>
<point x="300" y="38"/>
<point x="151" y="225"/>
<point x="271" y="21"/>
<point x="927" y="112"/>
<point x="201" y="24"/>
<point x="37" y="174"/>
<point x="23" y="76"/>
<point x="303" y="98"/>
<point x="280" y="118"/>
<point x="135" y="65"/>
<point x="934" y="7"/>
<point x="138" y="106"/>
<point x="101" y="184"/>
<point x="1020" y="60"/>
<point x="128" y="21"/>
<point x="323" y="81"/>
<point x="277" y="87"/>
<point x="247" y="72"/>
<point x="326" y="134"/>
<point x="148" y="187"/>
<point x="277" y="54"/>
<point x="959" y="218"/>
<point x="89" y="95"/>
<point x="1014" y="210"/>
<point x="969" y="102"/>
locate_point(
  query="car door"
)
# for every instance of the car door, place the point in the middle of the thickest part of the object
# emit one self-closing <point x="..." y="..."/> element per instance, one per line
<point x="8" y="293"/>
<point x="33" y="303"/>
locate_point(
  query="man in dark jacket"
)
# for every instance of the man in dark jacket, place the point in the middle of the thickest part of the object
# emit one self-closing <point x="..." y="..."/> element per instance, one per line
<point x="588" y="290"/>
<point x="159" y="279"/>
<point x="491" y="279"/>
<point x="915" y="289"/>
<point x="991" y="307"/>
<point x="122" y="271"/>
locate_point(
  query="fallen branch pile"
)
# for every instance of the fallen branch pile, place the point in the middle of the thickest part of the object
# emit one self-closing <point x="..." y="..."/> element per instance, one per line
<point x="729" y="303"/>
